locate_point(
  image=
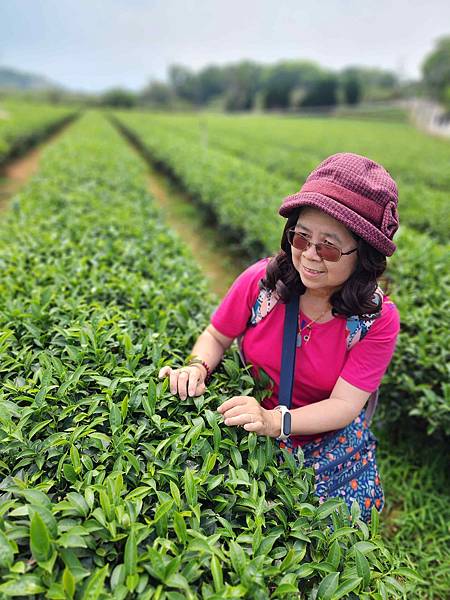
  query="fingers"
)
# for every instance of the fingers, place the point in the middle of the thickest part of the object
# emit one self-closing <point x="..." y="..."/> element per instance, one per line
<point x="200" y="389"/>
<point x="163" y="372"/>
<point x="184" y="382"/>
<point x="194" y="377"/>
<point x="235" y="401"/>
<point x="238" y="410"/>
<point x="257" y="427"/>
<point x="178" y="383"/>
<point x="246" y="412"/>
<point x="241" y="419"/>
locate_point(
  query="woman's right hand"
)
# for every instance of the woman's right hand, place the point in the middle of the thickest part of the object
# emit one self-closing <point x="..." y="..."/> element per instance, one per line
<point x="186" y="381"/>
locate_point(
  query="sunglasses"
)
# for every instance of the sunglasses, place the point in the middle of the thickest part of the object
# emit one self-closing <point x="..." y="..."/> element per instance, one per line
<point x="325" y="250"/>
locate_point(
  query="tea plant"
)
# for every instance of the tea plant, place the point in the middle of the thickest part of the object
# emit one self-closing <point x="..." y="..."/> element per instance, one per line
<point x="22" y="124"/>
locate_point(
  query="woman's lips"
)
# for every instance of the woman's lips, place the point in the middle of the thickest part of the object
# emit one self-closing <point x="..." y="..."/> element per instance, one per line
<point x="312" y="272"/>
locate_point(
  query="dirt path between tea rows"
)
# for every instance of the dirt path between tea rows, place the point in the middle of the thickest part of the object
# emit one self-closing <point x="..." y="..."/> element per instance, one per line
<point x="15" y="174"/>
<point x="211" y="251"/>
<point x="218" y="261"/>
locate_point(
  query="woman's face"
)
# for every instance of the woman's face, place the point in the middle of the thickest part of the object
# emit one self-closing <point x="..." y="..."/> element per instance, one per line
<point x="318" y="274"/>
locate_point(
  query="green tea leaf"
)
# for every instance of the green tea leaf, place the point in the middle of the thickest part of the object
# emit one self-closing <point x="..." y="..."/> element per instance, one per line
<point x="217" y="574"/>
<point x="346" y="587"/>
<point x="94" y="586"/>
<point x="238" y="558"/>
<point x="408" y="574"/>
<point x="334" y="555"/>
<point x="163" y="509"/>
<point x="180" y="527"/>
<point x="75" y="459"/>
<point x="26" y="585"/>
<point x="362" y="567"/>
<point x="175" y="492"/>
<point x="328" y="587"/>
<point x="46" y="516"/>
<point x="115" y="416"/>
<point x="149" y="401"/>
<point x="68" y="582"/>
<point x="325" y="509"/>
<point x="130" y="555"/>
<point x="40" y="545"/>
<point x="190" y="488"/>
<point x="6" y="552"/>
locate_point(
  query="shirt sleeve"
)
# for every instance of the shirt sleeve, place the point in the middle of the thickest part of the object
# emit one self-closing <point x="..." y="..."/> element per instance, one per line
<point x="232" y="315"/>
<point x="369" y="359"/>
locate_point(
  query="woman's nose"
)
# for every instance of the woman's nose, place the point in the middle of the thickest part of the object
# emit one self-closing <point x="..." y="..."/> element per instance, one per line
<point x="311" y="252"/>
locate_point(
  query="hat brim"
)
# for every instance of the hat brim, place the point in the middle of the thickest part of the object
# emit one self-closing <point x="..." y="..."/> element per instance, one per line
<point x="371" y="234"/>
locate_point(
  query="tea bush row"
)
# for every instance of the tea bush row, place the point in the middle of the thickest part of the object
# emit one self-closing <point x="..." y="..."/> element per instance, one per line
<point x="111" y="487"/>
<point x="22" y="124"/>
<point x="291" y="148"/>
<point x="245" y="200"/>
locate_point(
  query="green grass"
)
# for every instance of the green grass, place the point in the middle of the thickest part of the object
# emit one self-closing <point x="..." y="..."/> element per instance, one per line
<point x="416" y="517"/>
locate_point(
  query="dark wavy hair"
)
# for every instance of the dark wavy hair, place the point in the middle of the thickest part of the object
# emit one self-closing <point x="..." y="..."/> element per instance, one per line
<point x="355" y="297"/>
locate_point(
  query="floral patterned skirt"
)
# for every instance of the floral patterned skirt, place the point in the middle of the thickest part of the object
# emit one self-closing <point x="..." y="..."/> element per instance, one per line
<point x="345" y="466"/>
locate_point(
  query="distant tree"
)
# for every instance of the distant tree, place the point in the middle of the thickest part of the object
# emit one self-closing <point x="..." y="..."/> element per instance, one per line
<point x="243" y="83"/>
<point x="118" y="98"/>
<point x="184" y="83"/>
<point x="212" y="81"/>
<point x="446" y="99"/>
<point x="322" y="92"/>
<point x="351" y="86"/>
<point x="436" y="71"/>
<point x="368" y="84"/>
<point x="157" y="93"/>
<point x="283" y="78"/>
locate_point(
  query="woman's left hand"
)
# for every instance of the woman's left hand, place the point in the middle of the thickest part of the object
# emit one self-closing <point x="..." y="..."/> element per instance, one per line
<point x="245" y="411"/>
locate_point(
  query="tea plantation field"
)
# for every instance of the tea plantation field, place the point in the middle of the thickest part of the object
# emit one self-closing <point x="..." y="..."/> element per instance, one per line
<point x="22" y="125"/>
<point x="291" y="148"/>
<point x="243" y="197"/>
<point x="112" y="488"/>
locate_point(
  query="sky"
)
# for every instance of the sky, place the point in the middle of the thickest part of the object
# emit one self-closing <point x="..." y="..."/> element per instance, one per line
<point x="92" y="45"/>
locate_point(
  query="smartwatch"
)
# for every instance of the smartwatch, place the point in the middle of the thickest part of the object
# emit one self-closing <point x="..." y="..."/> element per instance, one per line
<point x="285" y="422"/>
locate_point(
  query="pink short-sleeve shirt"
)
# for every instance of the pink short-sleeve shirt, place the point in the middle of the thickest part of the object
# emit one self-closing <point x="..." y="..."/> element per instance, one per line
<point x="321" y="360"/>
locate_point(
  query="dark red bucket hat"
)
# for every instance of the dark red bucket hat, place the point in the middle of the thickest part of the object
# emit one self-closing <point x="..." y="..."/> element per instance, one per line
<point x="357" y="192"/>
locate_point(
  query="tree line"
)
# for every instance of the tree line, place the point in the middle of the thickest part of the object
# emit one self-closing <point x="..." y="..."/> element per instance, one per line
<point x="287" y="85"/>
<point x="247" y="85"/>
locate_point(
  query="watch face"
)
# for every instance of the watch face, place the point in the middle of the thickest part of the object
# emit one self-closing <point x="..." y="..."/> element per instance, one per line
<point x="287" y="423"/>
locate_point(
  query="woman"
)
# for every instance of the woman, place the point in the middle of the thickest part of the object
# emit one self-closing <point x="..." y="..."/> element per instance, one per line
<point x="338" y="233"/>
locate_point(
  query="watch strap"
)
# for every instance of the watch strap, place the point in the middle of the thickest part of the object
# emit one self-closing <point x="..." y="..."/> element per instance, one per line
<point x="285" y="422"/>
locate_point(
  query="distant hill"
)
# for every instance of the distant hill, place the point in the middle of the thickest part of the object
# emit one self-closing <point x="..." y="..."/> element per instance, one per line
<point x="11" y="79"/>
